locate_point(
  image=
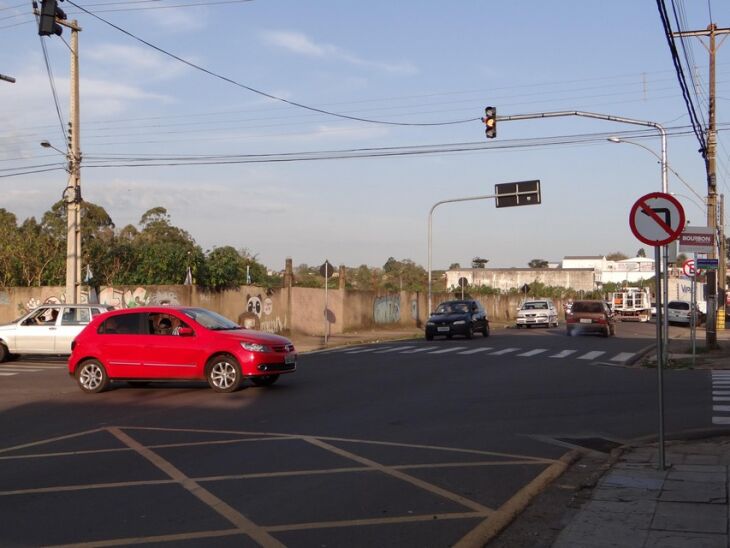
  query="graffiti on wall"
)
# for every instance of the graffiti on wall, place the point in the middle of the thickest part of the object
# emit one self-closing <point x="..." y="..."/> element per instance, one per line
<point x="126" y="298"/>
<point x="387" y="309"/>
<point x="259" y="314"/>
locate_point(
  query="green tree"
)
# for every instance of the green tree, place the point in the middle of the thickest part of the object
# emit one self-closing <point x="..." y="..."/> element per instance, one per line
<point x="225" y="268"/>
<point x="404" y="275"/>
<point x="538" y="263"/>
<point x="616" y="256"/>
<point x="454" y="266"/>
<point x="10" y="244"/>
<point x="641" y="252"/>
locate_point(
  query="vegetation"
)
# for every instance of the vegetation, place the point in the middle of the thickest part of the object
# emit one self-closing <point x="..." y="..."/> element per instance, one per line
<point x="538" y="263"/>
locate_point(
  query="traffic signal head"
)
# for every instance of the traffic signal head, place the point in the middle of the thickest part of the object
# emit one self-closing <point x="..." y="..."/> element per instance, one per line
<point x="49" y="13"/>
<point x="490" y="120"/>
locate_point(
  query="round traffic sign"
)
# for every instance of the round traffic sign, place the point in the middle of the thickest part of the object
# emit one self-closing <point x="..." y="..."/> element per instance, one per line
<point x="688" y="267"/>
<point x="657" y="219"/>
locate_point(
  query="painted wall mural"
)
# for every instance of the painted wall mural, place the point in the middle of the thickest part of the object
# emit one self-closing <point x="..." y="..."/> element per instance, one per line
<point x="126" y="298"/>
<point x="387" y="309"/>
<point x="259" y="314"/>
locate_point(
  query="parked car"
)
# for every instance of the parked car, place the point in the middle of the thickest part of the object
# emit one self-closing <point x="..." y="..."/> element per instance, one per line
<point x="47" y="329"/>
<point x="537" y="312"/>
<point x="176" y="343"/>
<point x="679" y="312"/>
<point x="458" y="318"/>
<point x="590" y="317"/>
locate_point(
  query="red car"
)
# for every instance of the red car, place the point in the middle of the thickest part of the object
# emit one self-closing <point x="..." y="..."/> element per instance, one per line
<point x="176" y="343"/>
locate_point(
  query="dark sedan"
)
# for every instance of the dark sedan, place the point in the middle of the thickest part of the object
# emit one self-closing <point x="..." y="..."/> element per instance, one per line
<point x="458" y="318"/>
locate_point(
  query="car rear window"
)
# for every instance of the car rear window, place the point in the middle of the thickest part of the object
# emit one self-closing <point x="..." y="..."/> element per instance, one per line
<point x="678" y="305"/>
<point x="583" y="306"/>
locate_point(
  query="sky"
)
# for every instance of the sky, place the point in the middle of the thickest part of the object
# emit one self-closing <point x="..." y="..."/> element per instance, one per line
<point x="241" y="85"/>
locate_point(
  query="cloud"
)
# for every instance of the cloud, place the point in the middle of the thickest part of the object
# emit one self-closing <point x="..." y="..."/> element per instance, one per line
<point x="137" y="61"/>
<point x="300" y="44"/>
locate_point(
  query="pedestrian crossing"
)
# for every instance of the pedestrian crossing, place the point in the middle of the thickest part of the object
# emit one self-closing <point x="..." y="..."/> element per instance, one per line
<point x="592" y="355"/>
<point x="12" y="369"/>
<point x="721" y="397"/>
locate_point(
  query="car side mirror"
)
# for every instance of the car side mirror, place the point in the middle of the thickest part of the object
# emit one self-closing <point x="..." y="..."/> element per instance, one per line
<point x="185" y="332"/>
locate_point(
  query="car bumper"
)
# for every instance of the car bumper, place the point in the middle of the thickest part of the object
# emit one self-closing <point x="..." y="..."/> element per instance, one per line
<point x="446" y="330"/>
<point x="533" y="321"/>
<point x="587" y="327"/>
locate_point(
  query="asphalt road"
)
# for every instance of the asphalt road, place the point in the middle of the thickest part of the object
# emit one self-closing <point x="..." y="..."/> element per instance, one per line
<point x="402" y="444"/>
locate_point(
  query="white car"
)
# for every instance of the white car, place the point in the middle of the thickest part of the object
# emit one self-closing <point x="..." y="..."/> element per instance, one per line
<point x="680" y="312"/>
<point x="537" y="312"/>
<point x="48" y="329"/>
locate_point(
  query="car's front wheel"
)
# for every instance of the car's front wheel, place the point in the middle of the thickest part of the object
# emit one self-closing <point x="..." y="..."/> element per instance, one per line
<point x="4" y="354"/>
<point x="469" y="333"/>
<point x="485" y="330"/>
<point x="224" y="374"/>
<point x="92" y="377"/>
<point x="264" y="380"/>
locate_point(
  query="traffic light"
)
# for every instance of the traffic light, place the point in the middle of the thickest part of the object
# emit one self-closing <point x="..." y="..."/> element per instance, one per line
<point x="49" y="13"/>
<point x="490" y="120"/>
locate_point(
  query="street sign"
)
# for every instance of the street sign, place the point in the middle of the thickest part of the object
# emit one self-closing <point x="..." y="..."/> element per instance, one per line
<point x="327" y="270"/>
<point x="707" y="264"/>
<point x="518" y="194"/>
<point x="697" y="239"/>
<point x="657" y="219"/>
<point x="688" y="267"/>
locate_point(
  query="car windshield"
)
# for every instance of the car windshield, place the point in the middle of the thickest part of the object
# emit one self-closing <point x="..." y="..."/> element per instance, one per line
<point x="452" y="308"/>
<point x="535" y="306"/>
<point x="209" y="319"/>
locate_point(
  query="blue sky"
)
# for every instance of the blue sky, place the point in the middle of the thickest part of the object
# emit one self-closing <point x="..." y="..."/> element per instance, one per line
<point x="413" y="62"/>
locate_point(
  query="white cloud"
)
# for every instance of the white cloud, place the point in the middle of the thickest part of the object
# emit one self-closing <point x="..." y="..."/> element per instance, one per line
<point x="301" y="44"/>
<point x="138" y="61"/>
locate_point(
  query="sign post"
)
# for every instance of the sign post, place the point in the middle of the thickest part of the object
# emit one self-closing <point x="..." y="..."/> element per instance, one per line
<point x="326" y="270"/>
<point x="689" y="270"/>
<point x="657" y="219"/>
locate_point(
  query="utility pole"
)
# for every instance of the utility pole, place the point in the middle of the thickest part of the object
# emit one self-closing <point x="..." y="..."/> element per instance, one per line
<point x="73" y="190"/>
<point x="713" y="303"/>
<point x="7" y="78"/>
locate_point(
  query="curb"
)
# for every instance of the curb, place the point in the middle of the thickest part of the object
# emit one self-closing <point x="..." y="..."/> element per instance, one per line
<point x="486" y="531"/>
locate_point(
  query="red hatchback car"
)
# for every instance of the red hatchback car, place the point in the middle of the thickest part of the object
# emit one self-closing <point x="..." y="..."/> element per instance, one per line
<point x="176" y="343"/>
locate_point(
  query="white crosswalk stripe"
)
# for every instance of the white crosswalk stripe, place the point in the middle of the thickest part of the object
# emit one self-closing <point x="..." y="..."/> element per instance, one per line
<point x="477" y="350"/>
<point x="591" y="355"/>
<point x="445" y="350"/>
<point x="534" y="352"/>
<point x="362" y="351"/>
<point x="720" y="394"/>
<point x="504" y="351"/>
<point x="423" y="349"/>
<point x="3" y="374"/>
<point x="396" y="349"/>
<point x="20" y="369"/>
<point x="623" y="356"/>
<point x="563" y="353"/>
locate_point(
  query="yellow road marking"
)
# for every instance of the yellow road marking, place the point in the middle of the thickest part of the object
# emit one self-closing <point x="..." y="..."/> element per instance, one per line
<point x="205" y="496"/>
<point x="373" y="521"/>
<point x="401" y="476"/>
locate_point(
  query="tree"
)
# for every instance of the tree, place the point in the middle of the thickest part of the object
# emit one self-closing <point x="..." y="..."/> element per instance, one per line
<point x="454" y="266"/>
<point x="404" y="275"/>
<point x="9" y="248"/>
<point x="641" y="252"/>
<point x="681" y="257"/>
<point x="478" y="262"/>
<point x="616" y="256"/>
<point x="538" y="263"/>
<point x="225" y="268"/>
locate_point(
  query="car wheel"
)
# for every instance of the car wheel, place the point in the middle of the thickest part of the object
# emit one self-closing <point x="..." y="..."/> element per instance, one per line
<point x="224" y="374"/>
<point x="469" y="333"/>
<point x="429" y="337"/>
<point x="265" y="380"/>
<point x="485" y="331"/>
<point x="91" y="377"/>
<point x="568" y="331"/>
<point x="4" y="354"/>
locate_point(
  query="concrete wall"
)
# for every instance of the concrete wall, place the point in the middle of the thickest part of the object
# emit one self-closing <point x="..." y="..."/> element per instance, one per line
<point x="504" y="279"/>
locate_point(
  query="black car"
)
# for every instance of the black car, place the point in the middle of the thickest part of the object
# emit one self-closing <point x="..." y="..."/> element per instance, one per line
<point x="458" y="318"/>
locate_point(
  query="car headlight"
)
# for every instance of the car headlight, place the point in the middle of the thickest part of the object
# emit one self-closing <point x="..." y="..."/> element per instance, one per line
<point x="459" y="322"/>
<point x="255" y="347"/>
<point x="430" y="323"/>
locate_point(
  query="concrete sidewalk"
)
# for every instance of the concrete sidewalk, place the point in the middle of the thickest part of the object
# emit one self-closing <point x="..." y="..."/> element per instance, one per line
<point x="635" y="504"/>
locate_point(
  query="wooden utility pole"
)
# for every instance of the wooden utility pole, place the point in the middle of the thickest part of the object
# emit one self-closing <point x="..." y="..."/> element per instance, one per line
<point x="714" y="305"/>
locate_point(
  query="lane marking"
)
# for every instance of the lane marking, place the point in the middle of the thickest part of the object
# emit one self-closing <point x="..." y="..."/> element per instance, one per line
<point x="20" y="370"/>
<point x="475" y="350"/>
<point x="363" y="350"/>
<point x="445" y="350"/>
<point x="197" y="490"/>
<point x="422" y="349"/>
<point x="721" y="398"/>
<point x="534" y="352"/>
<point x="373" y="521"/>
<point x="591" y="355"/>
<point x="7" y="374"/>
<point x="721" y="408"/>
<point x="720" y="420"/>
<point x="396" y="349"/>
<point x="504" y="351"/>
<point x="622" y="356"/>
<point x="563" y="353"/>
<point x="431" y="488"/>
<point x="721" y="392"/>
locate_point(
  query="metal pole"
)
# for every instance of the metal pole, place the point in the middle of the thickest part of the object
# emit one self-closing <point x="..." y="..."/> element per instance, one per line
<point x="659" y="351"/>
<point x="430" y="222"/>
<point x="693" y="317"/>
<point x="326" y="285"/>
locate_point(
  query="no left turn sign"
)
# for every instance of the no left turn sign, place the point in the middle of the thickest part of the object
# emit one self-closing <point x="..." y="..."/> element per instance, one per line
<point x="657" y="219"/>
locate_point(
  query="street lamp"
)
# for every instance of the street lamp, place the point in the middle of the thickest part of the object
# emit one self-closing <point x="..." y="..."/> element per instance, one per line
<point x="72" y="199"/>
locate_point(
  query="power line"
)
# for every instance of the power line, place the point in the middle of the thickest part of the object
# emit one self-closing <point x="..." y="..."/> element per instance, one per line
<point x="263" y="93"/>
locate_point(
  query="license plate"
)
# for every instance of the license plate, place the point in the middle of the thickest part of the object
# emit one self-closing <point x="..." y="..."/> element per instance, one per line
<point x="290" y="358"/>
<point x="586" y="320"/>
<point x="442" y="329"/>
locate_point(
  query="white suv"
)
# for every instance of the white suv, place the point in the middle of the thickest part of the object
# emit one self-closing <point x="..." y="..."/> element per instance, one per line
<point x="537" y="312"/>
<point x="48" y="329"/>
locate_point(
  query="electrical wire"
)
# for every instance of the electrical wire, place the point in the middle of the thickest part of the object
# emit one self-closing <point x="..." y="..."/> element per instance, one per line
<point x="266" y="94"/>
